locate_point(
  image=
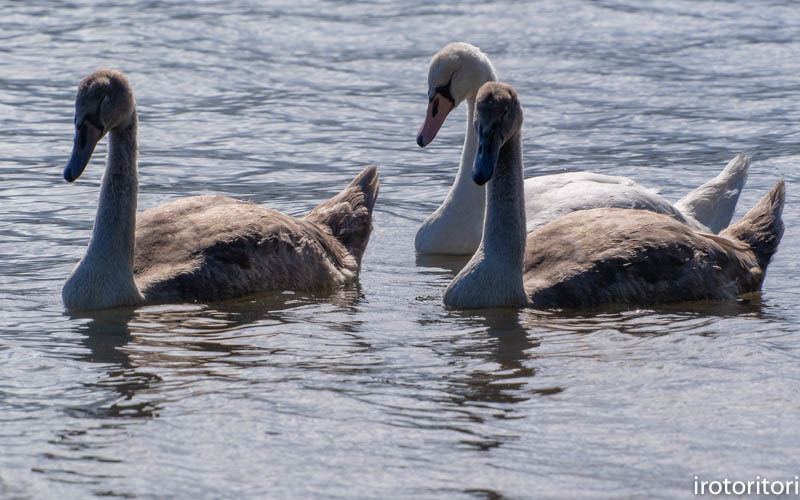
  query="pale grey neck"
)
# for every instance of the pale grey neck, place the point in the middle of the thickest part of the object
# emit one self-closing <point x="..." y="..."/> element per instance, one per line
<point x="114" y="230"/>
<point x="504" y="232"/>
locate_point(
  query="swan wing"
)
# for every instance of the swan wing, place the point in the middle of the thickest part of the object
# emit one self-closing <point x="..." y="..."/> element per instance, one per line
<point x="215" y="247"/>
<point x="612" y="255"/>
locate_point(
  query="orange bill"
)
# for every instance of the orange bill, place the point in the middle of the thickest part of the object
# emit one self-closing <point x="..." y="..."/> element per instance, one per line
<point x="438" y="109"/>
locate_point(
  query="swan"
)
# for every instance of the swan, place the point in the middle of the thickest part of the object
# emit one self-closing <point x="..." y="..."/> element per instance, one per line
<point x="601" y="255"/>
<point x="455" y="74"/>
<point x="202" y="248"/>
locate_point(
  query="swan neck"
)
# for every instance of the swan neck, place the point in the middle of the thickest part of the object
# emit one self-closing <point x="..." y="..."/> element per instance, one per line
<point x="115" y="224"/>
<point x="464" y="190"/>
<point x="455" y="227"/>
<point x="503" y="244"/>
<point x="468" y="192"/>
<point x="470" y="148"/>
<point x="493" y="276"/>
<point x="504" y="230"/>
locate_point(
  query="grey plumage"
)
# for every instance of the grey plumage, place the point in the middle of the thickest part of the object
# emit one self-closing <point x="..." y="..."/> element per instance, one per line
<point x="610" y="255"/>
<point x="601" y="255"/>
<point x="200" y="248"/>
<point x="214" y="247"/>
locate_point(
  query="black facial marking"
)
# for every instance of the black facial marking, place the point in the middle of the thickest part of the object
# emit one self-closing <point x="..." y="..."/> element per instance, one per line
<point x="435" y="108"/>
<point x="444" y="91"/>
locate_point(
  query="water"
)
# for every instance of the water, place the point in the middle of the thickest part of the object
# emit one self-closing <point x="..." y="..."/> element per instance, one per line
<point x="379" y="391"/>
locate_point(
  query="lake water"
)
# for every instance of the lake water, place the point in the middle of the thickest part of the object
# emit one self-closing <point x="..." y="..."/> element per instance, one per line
<point x="378" y="391"/>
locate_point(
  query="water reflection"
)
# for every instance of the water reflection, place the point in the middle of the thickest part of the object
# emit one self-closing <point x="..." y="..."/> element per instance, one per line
<point x="106" y="335"/>
<point x="393" y="390"/>
<point x="450" y="263"/>
<point x="498" y="375"/>
<point x="506" y="346"/>
<point x="663" y="319"/>
<point x="156" y="350"/>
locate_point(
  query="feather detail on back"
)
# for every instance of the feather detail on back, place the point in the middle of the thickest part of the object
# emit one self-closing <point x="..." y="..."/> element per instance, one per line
<point x="213" y="247"/>
<point x="348" y="215"/>
<point x="643" y="257"/>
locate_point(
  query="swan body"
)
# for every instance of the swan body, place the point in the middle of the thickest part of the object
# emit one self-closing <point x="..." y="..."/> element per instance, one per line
<point x="201" y="248"/>
<point x="455" y="74"/>
<point x="600" y="255"/>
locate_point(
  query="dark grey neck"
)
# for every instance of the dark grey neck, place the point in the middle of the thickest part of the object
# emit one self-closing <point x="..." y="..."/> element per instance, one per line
<point x="115" y="223"/>
<point x="504" y="230"/>
<point x="493" y="276"/>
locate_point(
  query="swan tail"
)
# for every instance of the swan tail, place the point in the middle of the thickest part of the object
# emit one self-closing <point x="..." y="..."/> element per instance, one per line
<point x="713" y="203"/>
<point x="349" y="213"/>
<point x="762" y="227"/>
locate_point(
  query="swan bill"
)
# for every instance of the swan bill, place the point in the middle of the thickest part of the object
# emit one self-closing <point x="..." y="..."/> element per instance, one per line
<point x="438" y="109"/>
<point x="86" y="138"/>
<point x="488" y="153"/>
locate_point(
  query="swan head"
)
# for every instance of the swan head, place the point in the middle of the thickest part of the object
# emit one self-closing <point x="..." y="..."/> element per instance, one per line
<point x="455" y="73"/>
<point x="104" y="102"/>
<point x="498" y="118"/>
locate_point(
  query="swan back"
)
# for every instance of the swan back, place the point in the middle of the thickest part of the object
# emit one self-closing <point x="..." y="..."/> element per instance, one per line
<point x="214" y="247"/>
<point x="611" y="255"/>
<point x="551" y="196"/>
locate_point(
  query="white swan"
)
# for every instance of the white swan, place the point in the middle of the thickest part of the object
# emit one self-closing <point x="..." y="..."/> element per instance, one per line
<point x="455" y="74"/>
<point x="200" y="248"/>
<point x="602" y="255"/>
